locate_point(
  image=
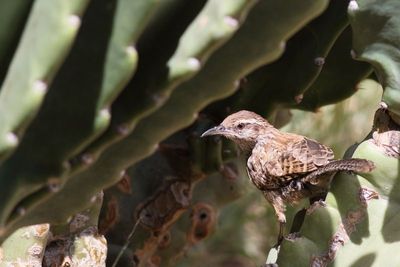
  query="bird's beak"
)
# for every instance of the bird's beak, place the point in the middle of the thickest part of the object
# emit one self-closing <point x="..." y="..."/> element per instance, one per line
<point x="217" y="130"/>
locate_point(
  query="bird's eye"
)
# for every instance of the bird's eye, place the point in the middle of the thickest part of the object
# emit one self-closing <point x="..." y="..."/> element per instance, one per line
<point x="240" y="126"/>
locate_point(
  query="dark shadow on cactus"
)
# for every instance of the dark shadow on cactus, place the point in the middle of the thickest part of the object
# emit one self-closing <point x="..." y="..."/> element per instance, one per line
<point x="346" y="189"/>
<point x="318" y="216"/>
<point x="146" y="177"/>
<point x="13" y="36"/>
<point x="127" y="258"/>
<point x="161" y="193"/>
<point x="327" y="89"/>
<point x="149" y="180"/>
<point x="298" y="221"/>
<point x="347" y="197"/>
<point x="390" y="228"/>
<point x="365" y="261"/>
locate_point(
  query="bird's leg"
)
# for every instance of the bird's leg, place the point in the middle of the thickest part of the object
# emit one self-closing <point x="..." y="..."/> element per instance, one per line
<point x="274" y="197"/>
<point x="280" y="235"/>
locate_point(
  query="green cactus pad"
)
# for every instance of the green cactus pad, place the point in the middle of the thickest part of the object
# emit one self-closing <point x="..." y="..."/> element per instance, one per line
<point x="379" y="45"/>
<point x="356" y="227"/>
<point x="25" y="247"/>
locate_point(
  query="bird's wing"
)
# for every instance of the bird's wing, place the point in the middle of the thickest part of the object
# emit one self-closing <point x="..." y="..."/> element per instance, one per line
<point x="294" y="156"/>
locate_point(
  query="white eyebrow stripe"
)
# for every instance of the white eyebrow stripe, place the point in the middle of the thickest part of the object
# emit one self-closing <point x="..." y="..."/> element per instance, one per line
<point x="251" y="121"/>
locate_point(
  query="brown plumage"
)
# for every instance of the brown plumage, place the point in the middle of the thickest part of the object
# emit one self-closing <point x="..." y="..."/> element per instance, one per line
<point x="286" y="167"/>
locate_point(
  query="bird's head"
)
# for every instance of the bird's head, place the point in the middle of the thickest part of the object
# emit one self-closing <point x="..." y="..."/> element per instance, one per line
<point x="243" y="127"/>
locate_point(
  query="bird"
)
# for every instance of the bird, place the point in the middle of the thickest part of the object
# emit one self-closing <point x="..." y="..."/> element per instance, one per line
<point x="285" y="167"/>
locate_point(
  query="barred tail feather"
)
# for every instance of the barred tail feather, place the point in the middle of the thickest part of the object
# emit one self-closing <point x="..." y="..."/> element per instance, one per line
<point x="348" y="165"/>
<point x="352" y="165"/>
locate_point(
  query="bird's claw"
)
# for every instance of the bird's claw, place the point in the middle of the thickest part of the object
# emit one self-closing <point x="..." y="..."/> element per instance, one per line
<point x="296" y="184"/>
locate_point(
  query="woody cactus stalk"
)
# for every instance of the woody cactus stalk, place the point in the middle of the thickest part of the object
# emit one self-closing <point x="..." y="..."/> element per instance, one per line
<point x="114" y="94"/>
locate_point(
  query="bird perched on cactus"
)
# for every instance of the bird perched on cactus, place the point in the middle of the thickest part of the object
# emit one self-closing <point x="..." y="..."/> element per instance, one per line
<point x="286" y="167"/>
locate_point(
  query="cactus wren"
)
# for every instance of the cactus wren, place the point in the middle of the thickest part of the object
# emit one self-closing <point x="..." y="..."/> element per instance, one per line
<point x="286" y="167"/>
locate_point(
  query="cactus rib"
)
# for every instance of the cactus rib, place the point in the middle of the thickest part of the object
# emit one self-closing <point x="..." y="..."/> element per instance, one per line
<point x="339" y="63"/>
<point x="213" y="26"/>
<point x="34" y="65"/>
<point x="286" y="80"/>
